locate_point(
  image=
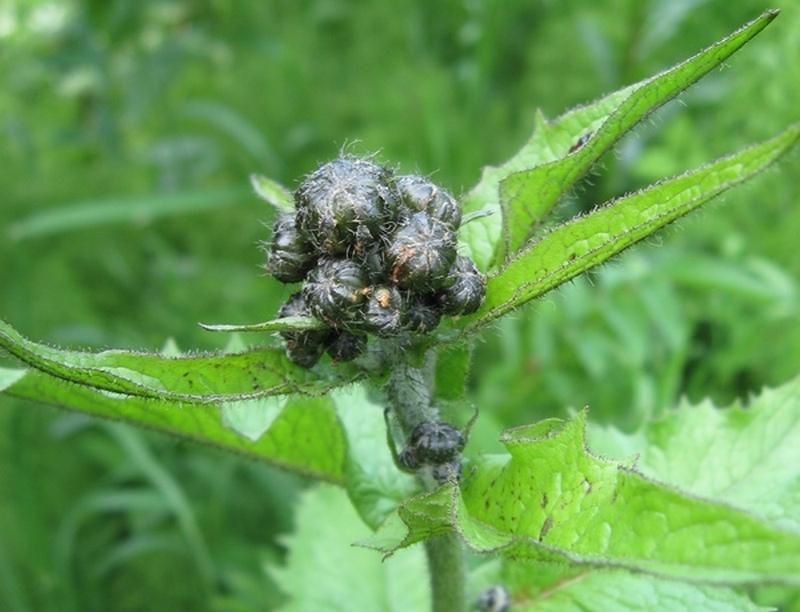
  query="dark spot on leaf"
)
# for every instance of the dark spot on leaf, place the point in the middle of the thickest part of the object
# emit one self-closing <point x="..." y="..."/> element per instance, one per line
<point x="548" y="524"/>
<point x="544" y="500"/>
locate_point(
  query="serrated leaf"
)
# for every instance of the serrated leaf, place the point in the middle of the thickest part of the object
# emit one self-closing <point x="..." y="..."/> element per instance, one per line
<point x="324" y="572"/>
<point x="212" y="377"/>
<point x="527" y="196"/>
<point x="272" y="192"/>
<point x="306" y="437"/>
<point x="375" y="485"/>
<point x="552" y="501"/>
<point x="282" y="324"/>
<point x="748" y="457"/>
<point x="587" y="241"/>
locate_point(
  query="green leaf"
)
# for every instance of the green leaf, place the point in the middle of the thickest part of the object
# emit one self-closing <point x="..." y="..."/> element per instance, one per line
<point x="253" y="373"/>
<point x="272" y="192"/>
<point x="549" y="588"/>
<point x="587" y="241"/>
<point x="745" y="456"/>
<point x="452" y="370"/>
<point x="253" y="417"/>
<point x="527" y="196"/>
<point x="306" y="436"/>
<point x="529" y="185"/>
<point x="139" y="209"/>
<point x="375" y="485"/>
<point x="282" y="324"/>
<point x="324" y="572"/>
<point x="552" y="501"/>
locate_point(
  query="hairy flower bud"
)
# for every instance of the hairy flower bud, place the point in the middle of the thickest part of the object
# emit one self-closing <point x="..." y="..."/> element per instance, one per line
<point x="464" y="289"/>
<point x="421" y="195"/>
<point x="304" y="347"/>
<point x="344" y="205"/>
<point x="289" y="255"/>
<point x="346" y="346"/>
<point x="334" y="291"/>
<point x="384" y="312"/>
<point x="421" y="254"/>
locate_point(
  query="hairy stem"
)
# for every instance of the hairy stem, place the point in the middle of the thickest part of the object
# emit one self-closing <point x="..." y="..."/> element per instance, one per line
<point x="447" y="567"/>
<point x="410" y="400"/>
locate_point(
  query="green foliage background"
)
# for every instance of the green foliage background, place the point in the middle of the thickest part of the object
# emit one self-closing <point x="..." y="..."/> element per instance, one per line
<point x="129" y="130"/>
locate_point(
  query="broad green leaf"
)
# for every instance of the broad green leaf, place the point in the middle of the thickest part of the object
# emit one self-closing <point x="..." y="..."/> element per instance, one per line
<point x="587" y="241"/>
<point x="555" y="588"/>
<point x="253" y="373"/>
<point x="325" y="572"/>
<point x="375" y="485"/>
<point x="306" y="437"/>
<point x="550" y="500"/>
<point x="748" y="457"/>
<point x="282" y="324"/>
<point x="527" y="196"/>
<point x="272" y="192"/>
<point x="138" y="209"/>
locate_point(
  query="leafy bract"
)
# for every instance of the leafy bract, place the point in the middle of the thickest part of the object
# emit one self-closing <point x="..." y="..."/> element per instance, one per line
<point x="258" y="372"/>
<point x="272" y="192"/>
<point x="550" y="500"/>
<point x="529" y="185"/>
<point x="305" y="435"/>
<point x="587" y="241"/>
<point x="324" y="572"/>
<point x="748" y="457"/>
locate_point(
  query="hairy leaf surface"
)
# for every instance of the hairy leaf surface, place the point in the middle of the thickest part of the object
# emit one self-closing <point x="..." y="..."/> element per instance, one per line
<point x="258" y="372"/>
<point x="551" y="500"/>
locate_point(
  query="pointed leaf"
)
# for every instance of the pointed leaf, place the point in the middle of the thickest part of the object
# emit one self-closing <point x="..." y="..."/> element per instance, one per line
<point x="282" y="324"/>
<point x="306" y="436"/>
<point x="527" y="196"/>
<point x="212" y="377"/>
<point x="272" y="192"/>
<point x="584" y="242"/>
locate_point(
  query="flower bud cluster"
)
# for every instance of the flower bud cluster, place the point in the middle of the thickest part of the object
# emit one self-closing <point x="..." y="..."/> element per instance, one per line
<point x="376" y="253"/>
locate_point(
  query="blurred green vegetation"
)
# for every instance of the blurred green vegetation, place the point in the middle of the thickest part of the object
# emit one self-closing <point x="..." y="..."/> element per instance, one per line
<point x="129" y="129"/>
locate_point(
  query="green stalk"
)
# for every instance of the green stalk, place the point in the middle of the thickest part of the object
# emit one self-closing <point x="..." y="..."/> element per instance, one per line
<point x="410" y="400"/>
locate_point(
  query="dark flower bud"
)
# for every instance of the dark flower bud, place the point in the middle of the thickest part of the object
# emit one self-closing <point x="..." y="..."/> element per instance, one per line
<point x="334" y="291"/>
<point x="346" y="346"/>
<point x="303" y="347"/>
<point x="421" y="254"/>
<point x="464" y="288"/>
<point x="384" y="312"/>
<point x="289" y="255"/>
<point x="343" y="205"/>
<point x="421" y="315"/>
<point x="436" y="442"/>
<point x="421" y="195"/>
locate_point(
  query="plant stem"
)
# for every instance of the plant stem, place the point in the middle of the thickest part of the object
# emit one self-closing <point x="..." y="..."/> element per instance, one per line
<point x="447" y="566"/>
<point x="410" y="400"/>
